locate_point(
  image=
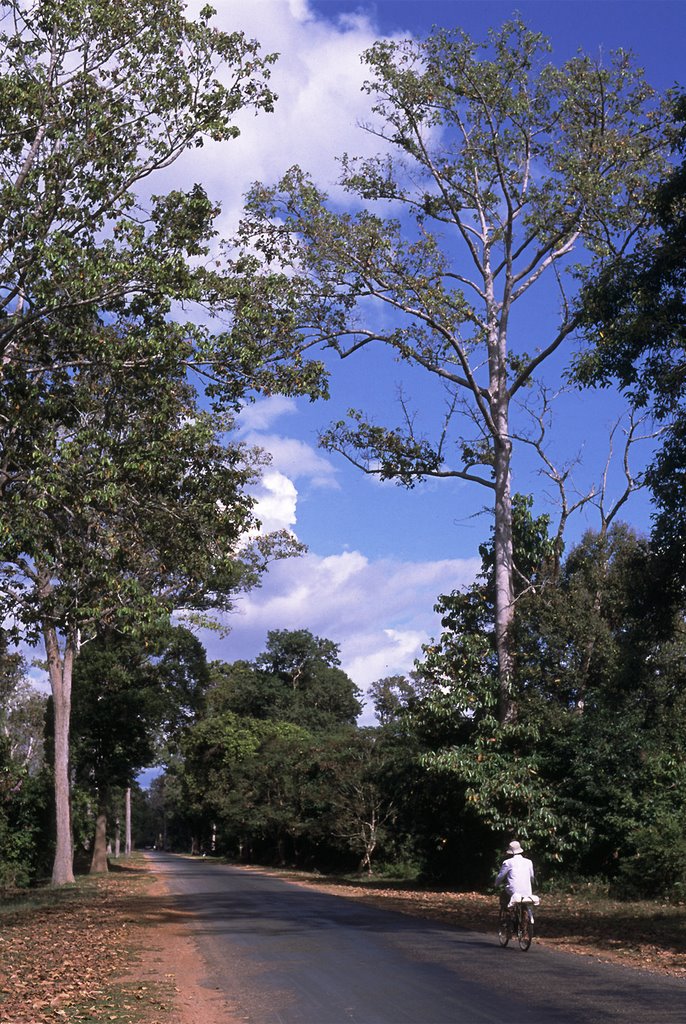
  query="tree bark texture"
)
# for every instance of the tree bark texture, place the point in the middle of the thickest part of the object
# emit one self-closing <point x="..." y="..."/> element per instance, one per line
<point x="99" y="863"/>
<point x="60" y="673"/>
<point x="504" y="577"/>
<point x="128" y="844"/>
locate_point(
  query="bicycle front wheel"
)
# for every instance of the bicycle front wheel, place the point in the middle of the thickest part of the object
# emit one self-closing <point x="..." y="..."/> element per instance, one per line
<point x="504" y="928"/>
<point x="526" y="928"/>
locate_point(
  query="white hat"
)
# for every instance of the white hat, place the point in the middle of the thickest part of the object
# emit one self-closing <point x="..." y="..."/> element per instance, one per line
<point x="514" y="847"/>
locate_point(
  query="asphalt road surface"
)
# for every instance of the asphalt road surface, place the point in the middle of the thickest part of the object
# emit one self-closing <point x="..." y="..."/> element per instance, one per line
<point x="284" y="954"/>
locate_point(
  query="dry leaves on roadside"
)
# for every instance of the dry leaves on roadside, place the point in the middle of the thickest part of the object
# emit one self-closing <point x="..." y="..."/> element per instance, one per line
<point x="62" y="961"/>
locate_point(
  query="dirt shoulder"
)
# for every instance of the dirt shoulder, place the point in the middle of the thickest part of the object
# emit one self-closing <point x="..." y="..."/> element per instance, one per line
<point x="167" y="951"/>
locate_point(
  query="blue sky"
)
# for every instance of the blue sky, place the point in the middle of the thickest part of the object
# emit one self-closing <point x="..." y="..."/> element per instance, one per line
<point x="654" y="29"/>
<point x="378" y="556"/>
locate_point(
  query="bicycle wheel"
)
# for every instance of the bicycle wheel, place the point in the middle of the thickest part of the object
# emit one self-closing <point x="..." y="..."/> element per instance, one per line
<point x="525" y="931"/>
<point x="504" y="927"/>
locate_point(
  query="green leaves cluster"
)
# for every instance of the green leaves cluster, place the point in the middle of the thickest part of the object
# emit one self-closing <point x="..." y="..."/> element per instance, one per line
<point x="95" y="99"/>
<point x="635" y="320"/>
<point x="23" y="789"/>
<point x="268" y="762"/>
<point x="587" y="772"/>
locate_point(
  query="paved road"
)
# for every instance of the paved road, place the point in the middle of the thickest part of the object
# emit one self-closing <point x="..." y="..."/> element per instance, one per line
<point x="284" y="954"/>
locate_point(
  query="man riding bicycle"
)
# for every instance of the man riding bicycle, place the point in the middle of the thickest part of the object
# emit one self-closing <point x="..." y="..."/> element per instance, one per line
<point x="516" y="874"/>
<point x="517" y="901"/>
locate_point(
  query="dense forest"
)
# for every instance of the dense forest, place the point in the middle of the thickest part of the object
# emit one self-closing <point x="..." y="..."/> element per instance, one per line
<point x="265" y="762"/>
<point x="591" y="774"/>
<point x="551" y="706"/>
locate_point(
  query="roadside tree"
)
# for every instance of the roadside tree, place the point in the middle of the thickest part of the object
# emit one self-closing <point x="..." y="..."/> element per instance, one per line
<point x="590" y="768"/>
<point x="635" y="322"/>
<point x="297" y="678"/>
<point x="133" y="505"/>
<point x="363" y="805"/>
<point x="95" y="99"/>
<point x="499" y="171"/>
<point x="263" y="757"/>
<point x="121" y="499"/>
<point x="130" y="695"/>
<point x="24" y="790"/>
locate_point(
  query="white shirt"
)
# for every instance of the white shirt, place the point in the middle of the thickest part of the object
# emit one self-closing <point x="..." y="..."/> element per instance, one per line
<point x="517" y="873"/>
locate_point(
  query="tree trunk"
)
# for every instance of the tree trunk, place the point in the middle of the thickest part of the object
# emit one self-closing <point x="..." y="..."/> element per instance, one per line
<point x="366" y="861"/>
<point x="504" y="566"/>
<point x="60" y="673"/>
<point x="99" y="863"/>
<point x="117" y="839"/>
<point x="128" y="845"/>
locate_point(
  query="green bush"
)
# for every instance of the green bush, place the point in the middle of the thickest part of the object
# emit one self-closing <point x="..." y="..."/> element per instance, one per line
<point x="25" y="847"/>
<point x="657" y="869"/>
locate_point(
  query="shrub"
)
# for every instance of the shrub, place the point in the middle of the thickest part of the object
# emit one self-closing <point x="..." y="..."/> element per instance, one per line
<point x="657" y="869"/>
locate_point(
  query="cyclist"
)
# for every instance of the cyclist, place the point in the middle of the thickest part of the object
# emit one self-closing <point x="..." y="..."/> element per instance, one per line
<point x="516" y="874"/>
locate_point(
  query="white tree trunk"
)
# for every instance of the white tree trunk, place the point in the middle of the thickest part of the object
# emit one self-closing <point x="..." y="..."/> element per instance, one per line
<point x="504" y="577"/>
<point x="128" y="845"/>
<point x="503" y="545"/>
<point x="60" y="673"/>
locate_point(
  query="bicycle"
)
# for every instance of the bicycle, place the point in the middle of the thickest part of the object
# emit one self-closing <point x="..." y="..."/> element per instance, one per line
<point x="517" y="921"/>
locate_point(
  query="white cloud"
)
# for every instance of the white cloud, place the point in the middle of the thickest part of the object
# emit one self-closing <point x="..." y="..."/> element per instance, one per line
<point x="375" y="654"/>
<point x="318" y="79"/>
<point x="296" y="459"/>
<point x="276" y="502"/>
<point x="261" y="414"/>
<point x="379" y="612"/>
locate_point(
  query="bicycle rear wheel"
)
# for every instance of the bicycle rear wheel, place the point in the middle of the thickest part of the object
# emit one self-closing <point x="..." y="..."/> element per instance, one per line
<point x="504" y="927"/>
<point x="525" y="932"/>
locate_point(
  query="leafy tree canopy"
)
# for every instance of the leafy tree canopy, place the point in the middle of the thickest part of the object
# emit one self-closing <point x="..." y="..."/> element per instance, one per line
<point x="95" y="100"/>
<point x="635" y="319"/>
<point x="131" y="695"/>
<point x="297" y="679"/>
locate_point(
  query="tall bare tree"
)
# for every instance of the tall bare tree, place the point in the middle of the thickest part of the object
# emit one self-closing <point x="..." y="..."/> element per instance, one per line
<point x="498" y="171"/>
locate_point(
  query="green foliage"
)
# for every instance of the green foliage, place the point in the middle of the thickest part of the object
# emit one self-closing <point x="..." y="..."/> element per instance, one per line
<point x="587" y="767"/>
<point x="132" y="495"/>
<point x="95" y="99"/>
<point x="634" y="311"/>
<point x="130" y="695"/>
<point x="656" y="868"/>
<point x="265" y="752"/>
<point x="391" y="695"/>
<point x="23" y="779"/>
<point x="363" y="806"/>
<point x="250" y="776"/>
<point x="635" y="320"/>
<point x="297" y="679"/>
<point x="24" y="823"/>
